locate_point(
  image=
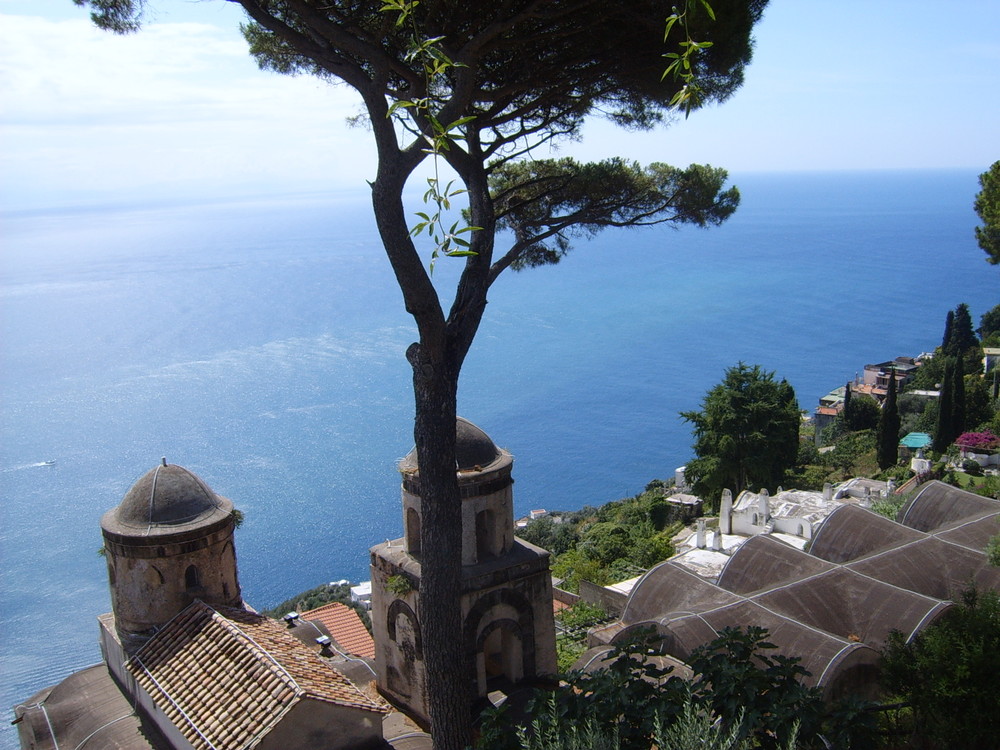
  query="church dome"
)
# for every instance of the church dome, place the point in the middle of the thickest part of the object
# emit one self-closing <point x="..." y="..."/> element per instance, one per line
<point x="169" y="498"/>
<point x="474" y="450"/>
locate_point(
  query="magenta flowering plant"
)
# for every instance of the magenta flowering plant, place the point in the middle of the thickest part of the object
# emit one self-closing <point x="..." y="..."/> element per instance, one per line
<point x="978" y="441"/>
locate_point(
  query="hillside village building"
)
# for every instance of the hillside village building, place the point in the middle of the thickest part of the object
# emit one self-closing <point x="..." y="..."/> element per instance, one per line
<point x="875" y="380"/>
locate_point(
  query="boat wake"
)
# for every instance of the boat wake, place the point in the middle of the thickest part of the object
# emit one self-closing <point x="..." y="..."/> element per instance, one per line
<point x="22" y="467"/>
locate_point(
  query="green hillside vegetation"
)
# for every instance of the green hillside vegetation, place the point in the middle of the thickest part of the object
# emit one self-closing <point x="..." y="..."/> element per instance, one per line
<point x="614" y="542"/>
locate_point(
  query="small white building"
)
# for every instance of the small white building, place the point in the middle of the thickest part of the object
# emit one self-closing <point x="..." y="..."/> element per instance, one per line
<point x="362" y="594"/>
<point x="793" y="516"/>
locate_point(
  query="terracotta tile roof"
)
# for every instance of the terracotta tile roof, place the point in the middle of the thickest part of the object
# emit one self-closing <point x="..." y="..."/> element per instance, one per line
<point x="226" y="677"/>
<point x="345" y="627"/>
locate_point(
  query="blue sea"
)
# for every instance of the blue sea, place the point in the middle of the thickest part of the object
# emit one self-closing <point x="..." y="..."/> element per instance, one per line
<point x="260" y="343"/>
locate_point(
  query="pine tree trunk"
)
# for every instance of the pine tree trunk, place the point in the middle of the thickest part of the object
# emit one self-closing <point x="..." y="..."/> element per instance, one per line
<point x="435" y="383"/>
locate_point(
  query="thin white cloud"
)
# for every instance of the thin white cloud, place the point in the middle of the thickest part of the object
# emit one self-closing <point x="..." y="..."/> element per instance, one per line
<point x="180" y="106"/>
<point x="176" y="103"/>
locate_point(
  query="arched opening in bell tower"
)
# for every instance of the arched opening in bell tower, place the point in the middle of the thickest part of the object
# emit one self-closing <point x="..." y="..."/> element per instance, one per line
<point x="500" y="656"/>
<point x="485" y="535"/>
<point x="412" y="531"/>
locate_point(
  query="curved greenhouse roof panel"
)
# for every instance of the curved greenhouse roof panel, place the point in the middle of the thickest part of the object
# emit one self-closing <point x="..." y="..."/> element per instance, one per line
<point x="763" y="562"/>
<point x="852" y="532"/>
<point x="938" y="505"/>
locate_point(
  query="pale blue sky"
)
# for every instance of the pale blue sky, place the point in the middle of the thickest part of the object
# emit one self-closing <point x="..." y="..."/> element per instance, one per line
<point x="179" y="110"/>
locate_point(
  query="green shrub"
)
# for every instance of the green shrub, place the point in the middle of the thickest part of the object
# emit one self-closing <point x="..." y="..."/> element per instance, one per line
<point x="950" y="674"/>
<point x="971" y="467"/>
<point x="743" y="697"/>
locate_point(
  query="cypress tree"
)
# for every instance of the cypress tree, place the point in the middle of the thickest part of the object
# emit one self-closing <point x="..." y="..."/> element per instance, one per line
<point x="847" y="411"/>
<point x="949" y="324"/>
<point x="961" y="335"/>
<point x="942" y="435"/>
<point x="958" y="399"/>
<point x="888" y="427"/>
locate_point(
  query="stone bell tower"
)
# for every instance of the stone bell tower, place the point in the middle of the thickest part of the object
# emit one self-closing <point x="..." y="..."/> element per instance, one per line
<point x="506" y="601"/>
<point x="169" y="542"/>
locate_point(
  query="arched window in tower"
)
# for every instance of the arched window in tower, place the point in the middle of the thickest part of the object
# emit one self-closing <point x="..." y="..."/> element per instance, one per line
<point x="499" y="654"/>
<point x="485" y="535"/>
<point x="412" y="531"/>
<point x="192" y="579"/>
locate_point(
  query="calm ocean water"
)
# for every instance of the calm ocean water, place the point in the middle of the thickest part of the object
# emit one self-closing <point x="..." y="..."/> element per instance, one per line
<point x="260" y="344"/>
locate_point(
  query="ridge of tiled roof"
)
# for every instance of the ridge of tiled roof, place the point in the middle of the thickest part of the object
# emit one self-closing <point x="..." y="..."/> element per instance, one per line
<point x="225" y="677"/>
<point x="345" y="628"/>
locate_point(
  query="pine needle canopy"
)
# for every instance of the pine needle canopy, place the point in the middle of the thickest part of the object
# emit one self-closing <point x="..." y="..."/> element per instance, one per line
<point x="520" y="66"/>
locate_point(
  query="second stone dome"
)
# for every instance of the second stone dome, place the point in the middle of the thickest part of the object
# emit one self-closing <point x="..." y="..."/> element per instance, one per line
<point x="474" y="450"/>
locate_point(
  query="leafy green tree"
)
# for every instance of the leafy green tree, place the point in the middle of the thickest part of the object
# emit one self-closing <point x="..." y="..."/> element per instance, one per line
<point x="979" y="409"/>
<point x="864" y="414"/>
<point x="606" y="542"/>
<point x="854" y="454"/>
<point x="987" y="205"/>
<point x="989" y="323"/>
<point x="950" y="674"/>
<point x="649" y="550"/>
<point x="746" y="434"/>
<point x="574" y="566"/>
<point x="477" y="87"/>
<point x="888" y="427"/>
<point x="549" y="535"/>
<point x="929" y="374"/>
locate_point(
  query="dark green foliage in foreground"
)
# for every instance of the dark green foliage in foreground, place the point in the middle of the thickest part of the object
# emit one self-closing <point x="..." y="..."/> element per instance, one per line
<point x="317" y="597"/>
<point x="950" y="673"/>
<point x="756" y="695"/>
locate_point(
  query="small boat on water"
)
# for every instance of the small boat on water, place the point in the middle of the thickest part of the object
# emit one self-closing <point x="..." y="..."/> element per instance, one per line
<point x="48" y="463"/>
